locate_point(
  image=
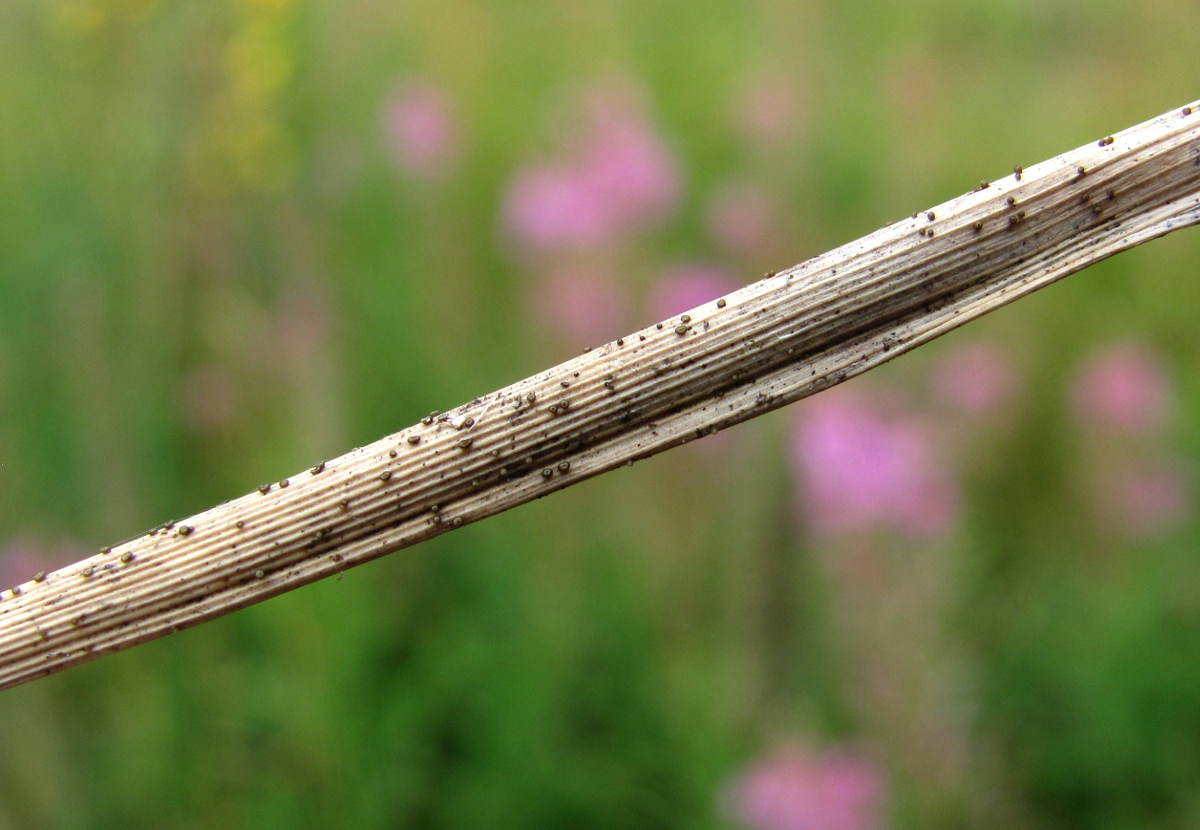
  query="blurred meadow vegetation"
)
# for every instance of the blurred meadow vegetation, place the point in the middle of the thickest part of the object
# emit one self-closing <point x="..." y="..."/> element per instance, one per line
<point x="241" y="236"/>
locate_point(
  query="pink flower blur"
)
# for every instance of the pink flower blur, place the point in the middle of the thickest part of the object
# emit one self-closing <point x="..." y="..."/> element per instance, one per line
<point x="615" y="178"/>
<point x="1121" y="388"/>
<point x="420" y="129"/>
<point x="684" y="287"/>
<point x="767" y="108"/>
<point x="1149" y="500"/>
<point x="976" y="378"/>
<point x="798" y="790"/>
<point x="862" y="464"/>
<point x="580" y="306"/>
<point x="740" y="216"/>
<point x="20" y="559"/>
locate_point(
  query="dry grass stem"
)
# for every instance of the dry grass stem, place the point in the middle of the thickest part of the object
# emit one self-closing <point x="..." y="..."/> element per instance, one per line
<point x="768" y="344"/>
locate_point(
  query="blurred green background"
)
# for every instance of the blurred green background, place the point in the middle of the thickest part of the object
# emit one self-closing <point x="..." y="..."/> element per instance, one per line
<point x="240" y="237"/>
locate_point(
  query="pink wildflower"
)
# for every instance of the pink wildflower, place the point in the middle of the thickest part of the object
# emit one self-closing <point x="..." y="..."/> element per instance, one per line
<point x="421" y="130"/>
<point x="683" y="287"/>
<point x="768" y="107"/>
<point x="864" y="465"/>
<point x="794" y="789"/>
<point x="740" y="216"/>
<point x="581" y="306"/>
<point x="616" y="177"/>
<point x="20" y="559"/>
<point x="976" y="378"/>
<point x="1149" y="499"/>
<point x="1122" y="388"/>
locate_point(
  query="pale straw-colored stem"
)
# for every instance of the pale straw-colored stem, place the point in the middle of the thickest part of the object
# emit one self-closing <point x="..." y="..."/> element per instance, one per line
<point x="761" y="347"/>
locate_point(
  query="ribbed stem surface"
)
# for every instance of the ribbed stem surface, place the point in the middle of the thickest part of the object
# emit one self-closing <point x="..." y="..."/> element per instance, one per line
<point x="761" y="347"/>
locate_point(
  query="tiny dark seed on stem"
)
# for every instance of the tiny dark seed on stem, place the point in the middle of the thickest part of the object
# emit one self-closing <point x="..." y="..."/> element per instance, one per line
<point x="1017" y="171"/>
<point x="239" y="524"/>
<point x="259" y="574"/>
<point x="317" y="468"/>
<point x="385" y="475"/>
<point x="457" y="522"/>
<point x="978" y="226"/>
<point x="39" y="576"/>
<point x="931" y="216"/>
<point x="686" y="318"/>
<point x="547" y="472"/>
<point x="284" y="483"/>
<point x="126" y="557"/>
<point x="1012" y="200"/>
<point x="563" y="466"/>
<point x="721" y="303"/>
<point x="391" y="453"/>
<point x="185" y="530"/>
<point x="464" y="443"/>
<point x="681" y="329"/>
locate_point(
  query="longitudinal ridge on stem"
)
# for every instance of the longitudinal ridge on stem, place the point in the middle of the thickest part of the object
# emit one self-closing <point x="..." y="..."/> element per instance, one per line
<point x="768" y="344"/>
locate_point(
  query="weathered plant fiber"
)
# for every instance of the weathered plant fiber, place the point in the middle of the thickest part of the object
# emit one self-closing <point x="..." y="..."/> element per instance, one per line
<point x="768" y="344"/>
